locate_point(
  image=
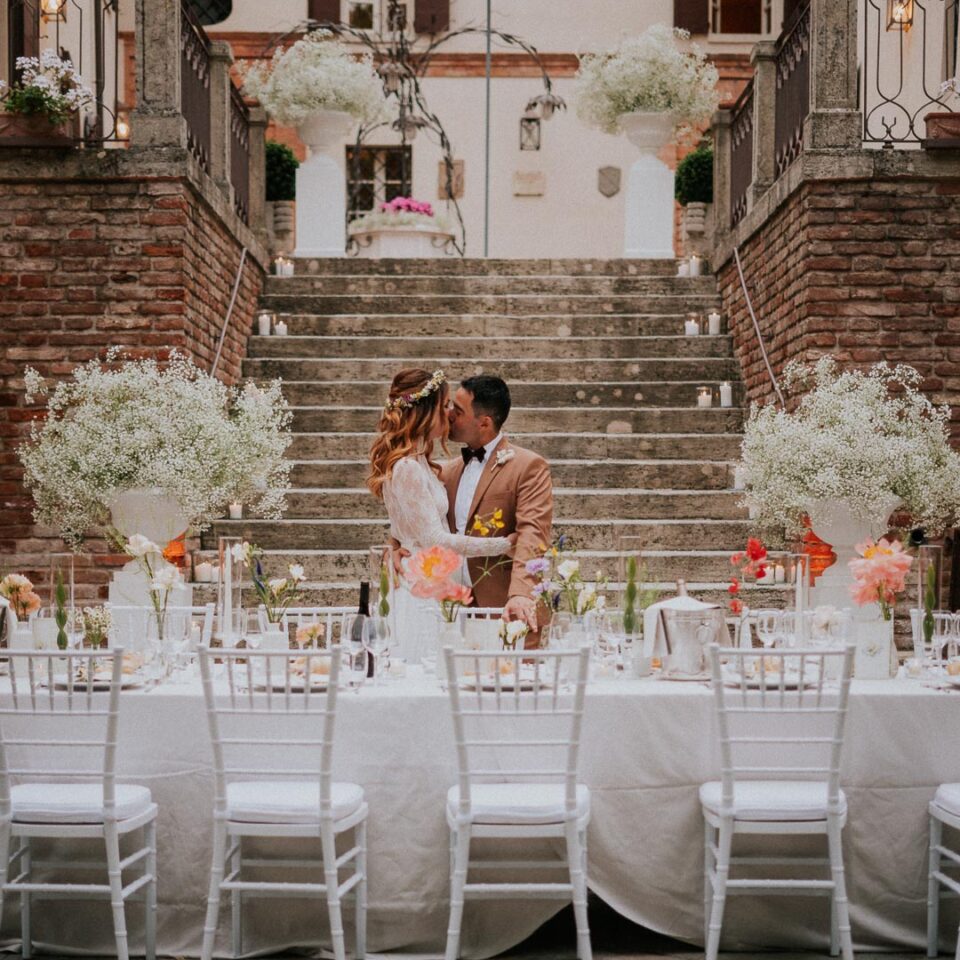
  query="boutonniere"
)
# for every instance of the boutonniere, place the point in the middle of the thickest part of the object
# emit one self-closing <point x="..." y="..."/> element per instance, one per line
<point x="505" y="455"/>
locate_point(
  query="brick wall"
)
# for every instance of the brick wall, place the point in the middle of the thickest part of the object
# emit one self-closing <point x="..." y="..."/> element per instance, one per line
<point x="143" y="263"/>
<point x="867" y="270"/>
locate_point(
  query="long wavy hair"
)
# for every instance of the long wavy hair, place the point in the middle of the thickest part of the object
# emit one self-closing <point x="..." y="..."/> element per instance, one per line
<point x="405" y="431"/>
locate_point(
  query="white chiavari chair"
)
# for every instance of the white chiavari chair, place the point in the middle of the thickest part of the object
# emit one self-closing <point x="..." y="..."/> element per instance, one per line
<point x="58" y="745"/>
<point x="781" y="731"/>
<point x="944" y="811"/>
<point x="517" y="728"/>
<point x="297" y="617"/>
<point x="271" y="727"/>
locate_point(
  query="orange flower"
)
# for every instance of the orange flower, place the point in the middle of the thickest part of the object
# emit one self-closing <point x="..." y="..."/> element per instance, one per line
<point x="431" y="567"/>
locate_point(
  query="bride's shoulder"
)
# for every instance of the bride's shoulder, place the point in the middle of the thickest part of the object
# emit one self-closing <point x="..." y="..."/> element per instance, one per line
<point x="407" y="466"/>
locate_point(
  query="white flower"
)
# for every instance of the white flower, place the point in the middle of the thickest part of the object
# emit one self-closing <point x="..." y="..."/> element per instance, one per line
<point x="505" y="455"/>
<point x="165" y="578"/>
<point x="650" y="73"/>
<point x="296" y="572"/>
<point x="825" y="618"/>
<point x="139" y="546"/>
<point x="513" y="630"/>
<point x="240" y="552"/>
<point x="277" y="583"/>
<point x="567" y="569"/>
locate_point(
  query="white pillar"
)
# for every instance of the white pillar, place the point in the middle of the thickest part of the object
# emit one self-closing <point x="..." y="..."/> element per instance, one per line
<point x="321" y="186"/>
<point x="648" y="216"/>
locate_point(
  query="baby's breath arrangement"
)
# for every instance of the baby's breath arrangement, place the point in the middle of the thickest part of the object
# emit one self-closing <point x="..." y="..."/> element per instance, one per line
<point x="316" y="73"/>
<point x="650" y="73"/>
<point x="116" y="426"/>
<point x="860" y="437"/>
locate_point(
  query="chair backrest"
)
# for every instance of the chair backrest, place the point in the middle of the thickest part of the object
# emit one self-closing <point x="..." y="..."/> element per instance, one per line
<point x="129" y="622"/>
<point x="779" y="716"/>
<point x="328" y="617"/>
<point x="57" y="724"/>
<point x="517" y="716"/>
<point x="271" y="715"/>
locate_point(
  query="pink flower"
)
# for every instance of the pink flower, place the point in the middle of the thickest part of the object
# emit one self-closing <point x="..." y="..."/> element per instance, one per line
<point x="458" y="593"/>
<point x="880" y="573"/>
<point x="429" y="571"/>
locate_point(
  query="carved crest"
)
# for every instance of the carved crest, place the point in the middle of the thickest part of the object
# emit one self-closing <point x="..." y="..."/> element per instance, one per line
<point x="608" y="181"/>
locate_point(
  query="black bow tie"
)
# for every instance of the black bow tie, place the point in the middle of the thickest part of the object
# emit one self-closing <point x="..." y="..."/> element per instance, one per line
<point x="468" y="454"/>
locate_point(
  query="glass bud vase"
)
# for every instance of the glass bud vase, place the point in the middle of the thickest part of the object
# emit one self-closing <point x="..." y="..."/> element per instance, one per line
<point x="61" y="572"/>
<point x="449" y="635"/>
<point x="229" y="612"/>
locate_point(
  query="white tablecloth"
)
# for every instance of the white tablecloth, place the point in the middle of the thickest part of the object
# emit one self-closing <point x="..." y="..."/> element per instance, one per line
<point x="647" y="747"/>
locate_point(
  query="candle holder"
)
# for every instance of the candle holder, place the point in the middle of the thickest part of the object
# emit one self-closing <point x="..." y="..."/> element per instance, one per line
<point x="704" y="397"/>
<point x="696" y="266"/>
<point x="726" y="394"/>
<point x="236" y="511"/>
<point x="713" y="323"/>
<point x="229" y="610"/>
<point x="280" y="328"/>
<point x="264" y="324"/>
<point x="691" y="326"/>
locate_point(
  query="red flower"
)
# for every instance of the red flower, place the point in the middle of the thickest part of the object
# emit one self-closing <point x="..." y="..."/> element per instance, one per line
<point x="737" y="559"/>
<point x="760" y="572"/>
<point x="736" y="607"/>
<point x="756" y="551"/>
<point x="734" y="586"/>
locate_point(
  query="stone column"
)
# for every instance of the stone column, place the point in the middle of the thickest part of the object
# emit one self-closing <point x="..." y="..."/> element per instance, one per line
<point x="834" y="120"/>
<point x="157" y="120"/>
<point x="221" y="58"/>
<point x="258" y="172"/>
<point x="764" y="62"/>
<point x="721" y="173"/>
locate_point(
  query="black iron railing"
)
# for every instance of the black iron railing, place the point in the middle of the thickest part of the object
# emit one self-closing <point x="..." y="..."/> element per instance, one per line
<point x="793" y="89"/>
<point x="195" y="84"/>
<point x="903" y="66"/>
<point x="741" y="154"/>
<point x="240" y="154"/>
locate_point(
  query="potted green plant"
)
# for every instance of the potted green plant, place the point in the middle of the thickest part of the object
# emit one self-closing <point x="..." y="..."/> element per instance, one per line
<point x="693" y="189"/>
<point x="281" y="192"/>
<point x="42" y="106"/>
<point x="944" y="125"/>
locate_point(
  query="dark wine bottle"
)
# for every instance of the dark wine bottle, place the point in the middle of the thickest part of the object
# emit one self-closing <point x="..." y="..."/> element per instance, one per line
<point x="363" y="610"/>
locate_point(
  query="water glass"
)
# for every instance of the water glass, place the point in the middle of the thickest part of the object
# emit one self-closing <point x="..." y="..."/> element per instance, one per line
<point x="378" y="641"/>
<point x="353" y="665"/>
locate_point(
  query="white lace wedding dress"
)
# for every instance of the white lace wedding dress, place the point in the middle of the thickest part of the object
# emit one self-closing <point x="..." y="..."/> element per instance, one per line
<point x="416" y="502"/>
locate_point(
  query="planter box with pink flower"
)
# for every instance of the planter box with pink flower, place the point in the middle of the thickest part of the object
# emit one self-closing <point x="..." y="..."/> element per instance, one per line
<point x="402" y="228"/>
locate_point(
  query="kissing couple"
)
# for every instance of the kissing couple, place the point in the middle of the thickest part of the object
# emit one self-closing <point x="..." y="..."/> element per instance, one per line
<point x="433" y="502"/>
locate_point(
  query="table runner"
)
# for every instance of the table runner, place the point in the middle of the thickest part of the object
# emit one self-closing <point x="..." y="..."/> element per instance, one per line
<point x="647" y="746"/>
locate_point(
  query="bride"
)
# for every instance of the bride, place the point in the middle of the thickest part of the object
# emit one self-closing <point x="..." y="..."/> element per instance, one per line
<point x="406" y="478"/>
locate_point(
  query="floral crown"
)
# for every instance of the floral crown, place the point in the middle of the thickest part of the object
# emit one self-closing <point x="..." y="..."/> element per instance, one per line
<point x="407" y="400"/>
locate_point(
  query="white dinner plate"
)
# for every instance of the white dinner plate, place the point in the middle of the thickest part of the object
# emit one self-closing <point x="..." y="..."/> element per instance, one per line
<point x="488" y="683"/>
<point x="769" y="681"/>
<point x="317" y="685"/>
<point x="99" y="683"/>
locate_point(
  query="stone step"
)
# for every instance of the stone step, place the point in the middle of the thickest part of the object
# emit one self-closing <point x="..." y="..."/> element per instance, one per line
<point x="546" y="420"/>
<point x="517" y="348"/>
<point x="650" y="394"/>
<point x="484" y="325"/>
<point x="584" y="534"/>
<point x="667" y="446"/>
<point x="458" y="285"/>
<point x="292" y="299"/>
<point x="625" y="503"/>
<point x="476" y="266"/>
<point x="581" y="474"/>
<point x="705" y="370"/>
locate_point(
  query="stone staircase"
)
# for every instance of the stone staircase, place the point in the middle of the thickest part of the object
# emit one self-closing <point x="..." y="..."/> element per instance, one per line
<point x="603" y="385"/>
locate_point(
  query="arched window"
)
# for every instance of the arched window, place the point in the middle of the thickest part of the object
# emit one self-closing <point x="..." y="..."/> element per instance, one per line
<point x="209" y="12"/>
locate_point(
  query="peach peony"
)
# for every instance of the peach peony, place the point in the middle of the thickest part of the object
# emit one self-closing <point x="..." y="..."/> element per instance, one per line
<point x="879" y="573"/>
<point x="429" y="571"/>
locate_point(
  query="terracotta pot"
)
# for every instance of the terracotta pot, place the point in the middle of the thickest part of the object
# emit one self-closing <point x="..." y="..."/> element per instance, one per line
<point x="943" y="126"/>
<point x="19" y="130"/>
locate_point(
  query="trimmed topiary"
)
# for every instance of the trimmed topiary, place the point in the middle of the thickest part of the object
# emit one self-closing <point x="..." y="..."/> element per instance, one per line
<point x="694" y="177"/>
<point x="281" y="172"/>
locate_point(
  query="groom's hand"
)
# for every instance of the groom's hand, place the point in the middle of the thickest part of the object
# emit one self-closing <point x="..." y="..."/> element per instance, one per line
<point x="521" y="608"/>
<point x="398" y="555"/>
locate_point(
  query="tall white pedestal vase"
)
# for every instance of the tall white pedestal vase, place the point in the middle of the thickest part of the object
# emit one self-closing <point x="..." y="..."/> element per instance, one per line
<point x="648" y="214"/>
<point x="158" y="517"/>
<point x="833" y="521"/>
<point x="321" y="186"/>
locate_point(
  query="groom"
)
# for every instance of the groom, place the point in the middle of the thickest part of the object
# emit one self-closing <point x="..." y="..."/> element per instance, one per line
<point x="493" y="474"/>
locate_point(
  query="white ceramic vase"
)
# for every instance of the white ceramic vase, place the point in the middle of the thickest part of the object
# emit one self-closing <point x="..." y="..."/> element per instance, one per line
<point x="321" y="185"/>
<point x="648" y="213"/>
<point x="876" y="654"/>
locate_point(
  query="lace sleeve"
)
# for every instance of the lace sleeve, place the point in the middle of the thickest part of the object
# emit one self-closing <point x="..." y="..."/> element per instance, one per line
<point x="416" y="519"/>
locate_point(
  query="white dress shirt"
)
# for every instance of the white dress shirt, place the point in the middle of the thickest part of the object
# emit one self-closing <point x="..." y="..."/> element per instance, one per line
<point x="468" y="485"/>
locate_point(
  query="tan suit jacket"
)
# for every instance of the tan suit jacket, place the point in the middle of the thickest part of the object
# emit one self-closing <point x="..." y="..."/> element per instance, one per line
<point x="522" y="488"/>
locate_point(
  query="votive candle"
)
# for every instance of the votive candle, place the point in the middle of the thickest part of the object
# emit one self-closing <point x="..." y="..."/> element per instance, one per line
<point x="704" y="397"/>
<point x="713" y="323"/>
<point x="726" y="394"/>
<point x="264" y="322"/>
<point x="696" y="266"/>
<point x="779" y="574"/>
<point x="280" y="328"/>
<point x="203" y="572"/>
<point x="236" y="511"/>
<point x="683" y="269"/>
<point x="691" y="327"/>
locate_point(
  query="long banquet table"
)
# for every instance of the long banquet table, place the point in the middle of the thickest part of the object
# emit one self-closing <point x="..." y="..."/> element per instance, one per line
<point x="647" y="746"/>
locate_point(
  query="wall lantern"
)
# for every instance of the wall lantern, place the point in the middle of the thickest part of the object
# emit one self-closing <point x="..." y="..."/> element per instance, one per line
<point x="53" y="11"/>
<point x="123" y="127"/>
<point x="899" y="14"/>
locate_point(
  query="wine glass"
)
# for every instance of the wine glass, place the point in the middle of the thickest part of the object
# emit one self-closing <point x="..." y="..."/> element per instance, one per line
<point x="377" y="639"/>
<point x="354" y="634"/>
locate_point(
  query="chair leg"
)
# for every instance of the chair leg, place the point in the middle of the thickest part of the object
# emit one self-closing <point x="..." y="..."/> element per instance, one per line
<point x="236" y="903"/>
<point x="834" y="931"/>
<point x="361" y="891"/>
<point x="839" y="887"/>
<point x="112" y="842"/>
<point x="26" y="934"/>
<point x="709" y="838"/>
<point x="933" y="889"/>
<point x="150" y="934"/>
<point x="458" y="880"/>
<point x="576" y="841"/>
<point x="329" y="847"/>
<point x="213" y="897"/>
<point x="724" y="845"/>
